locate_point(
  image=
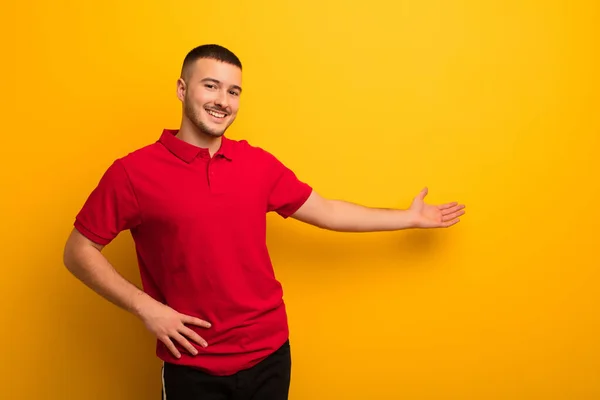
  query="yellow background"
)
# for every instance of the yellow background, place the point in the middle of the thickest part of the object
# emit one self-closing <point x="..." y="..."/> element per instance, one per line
<point x="492" y="103"/>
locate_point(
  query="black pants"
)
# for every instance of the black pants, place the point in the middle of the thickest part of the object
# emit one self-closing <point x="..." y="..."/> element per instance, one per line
<point x="268" y="380"/>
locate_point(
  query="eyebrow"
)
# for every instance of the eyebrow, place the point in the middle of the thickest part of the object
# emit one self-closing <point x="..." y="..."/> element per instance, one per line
<point x="218" y="83"/>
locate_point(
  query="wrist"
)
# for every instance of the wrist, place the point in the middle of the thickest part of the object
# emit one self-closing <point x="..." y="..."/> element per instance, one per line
<point x="140" y="304"/>
<point x="406" y="219"/>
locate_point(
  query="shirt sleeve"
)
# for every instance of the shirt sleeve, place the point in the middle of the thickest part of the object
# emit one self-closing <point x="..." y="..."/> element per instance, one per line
<point x="110" y="208"/>
<point x="287" y="192"/>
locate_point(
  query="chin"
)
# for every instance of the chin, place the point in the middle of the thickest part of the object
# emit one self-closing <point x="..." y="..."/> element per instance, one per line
<point x="212" y="130"/>
<point x="215" y="134"/>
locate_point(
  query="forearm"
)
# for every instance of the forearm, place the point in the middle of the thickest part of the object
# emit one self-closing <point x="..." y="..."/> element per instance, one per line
<point x="344" y="216"/>
<point x="91" y="267"/>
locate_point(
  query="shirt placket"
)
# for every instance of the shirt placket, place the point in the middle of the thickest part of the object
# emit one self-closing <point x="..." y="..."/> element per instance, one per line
<point x="212" y="175"/>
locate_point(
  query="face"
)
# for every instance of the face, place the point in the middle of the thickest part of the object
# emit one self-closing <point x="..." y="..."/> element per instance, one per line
<point x="210" y="93"/>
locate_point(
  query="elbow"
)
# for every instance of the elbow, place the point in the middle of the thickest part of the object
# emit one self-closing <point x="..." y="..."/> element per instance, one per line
<point x="76" y="250"/>
<point x="70" y="255"/>
<point x="328" y="217"/>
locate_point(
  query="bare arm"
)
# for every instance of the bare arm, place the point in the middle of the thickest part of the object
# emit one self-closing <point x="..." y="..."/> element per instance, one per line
<point x="84" y="259"/>
<point x="344" y="216"/>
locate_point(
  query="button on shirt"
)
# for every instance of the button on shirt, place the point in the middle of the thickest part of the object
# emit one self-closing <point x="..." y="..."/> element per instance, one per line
<point x="199" y="227"/>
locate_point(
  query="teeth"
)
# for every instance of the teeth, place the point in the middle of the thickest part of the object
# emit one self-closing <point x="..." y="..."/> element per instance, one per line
<point x="216" y="114"/>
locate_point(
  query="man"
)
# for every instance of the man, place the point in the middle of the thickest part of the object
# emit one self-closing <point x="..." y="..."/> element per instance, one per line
<point x="195" y="203"/>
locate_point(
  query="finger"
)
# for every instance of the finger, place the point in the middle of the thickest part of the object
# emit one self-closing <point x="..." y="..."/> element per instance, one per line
<point x="451" y="223"/>
<point x="447" y="205"/>
<point x="184" y="343"/>
<point x="187" y="319"/>
<point x="167" y="341"/>
<point x="453" y="209"/>
<point x="422" y="193"/>
<point x="454" y="215"/>
<point x="193" y="336"/>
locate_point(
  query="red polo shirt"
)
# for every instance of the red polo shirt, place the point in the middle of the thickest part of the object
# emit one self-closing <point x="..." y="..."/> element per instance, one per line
<point x="199" y="226"/>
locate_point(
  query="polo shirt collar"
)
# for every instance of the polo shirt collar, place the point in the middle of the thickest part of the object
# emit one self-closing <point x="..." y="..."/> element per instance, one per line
<point x="187" y="151"/>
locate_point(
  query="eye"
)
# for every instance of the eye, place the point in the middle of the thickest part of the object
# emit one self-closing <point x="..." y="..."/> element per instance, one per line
<point x="234" y="93"/>
<point x="209" y="85"/>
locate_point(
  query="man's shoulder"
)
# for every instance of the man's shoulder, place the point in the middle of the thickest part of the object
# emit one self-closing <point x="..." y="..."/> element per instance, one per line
<point x="248" y="149"/>
<point x="141" y="154"/>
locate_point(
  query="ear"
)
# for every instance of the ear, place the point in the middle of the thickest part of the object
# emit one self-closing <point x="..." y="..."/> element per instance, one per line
<point x="181" y="88"/>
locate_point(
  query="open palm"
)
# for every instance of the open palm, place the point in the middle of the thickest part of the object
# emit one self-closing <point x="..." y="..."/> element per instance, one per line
<point x="435" y="216"/>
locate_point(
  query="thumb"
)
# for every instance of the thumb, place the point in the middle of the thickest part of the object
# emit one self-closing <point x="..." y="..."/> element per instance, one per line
<point x="423" y="193"/>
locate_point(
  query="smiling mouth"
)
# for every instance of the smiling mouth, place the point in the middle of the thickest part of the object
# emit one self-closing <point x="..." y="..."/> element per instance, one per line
<point x="216" y="114"/>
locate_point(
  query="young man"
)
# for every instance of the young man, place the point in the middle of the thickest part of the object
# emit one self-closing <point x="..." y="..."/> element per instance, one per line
<point x="195" y="203"/>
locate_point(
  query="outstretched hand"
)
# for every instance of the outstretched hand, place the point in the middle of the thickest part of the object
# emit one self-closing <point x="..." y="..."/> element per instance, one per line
<point x="435" y="216"/>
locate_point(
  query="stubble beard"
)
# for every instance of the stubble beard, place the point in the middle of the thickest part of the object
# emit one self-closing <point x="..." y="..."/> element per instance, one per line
<point x="194" y="117"/>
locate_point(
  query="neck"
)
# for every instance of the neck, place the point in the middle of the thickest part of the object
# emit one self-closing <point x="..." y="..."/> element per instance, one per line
<point x="188" y="132"/>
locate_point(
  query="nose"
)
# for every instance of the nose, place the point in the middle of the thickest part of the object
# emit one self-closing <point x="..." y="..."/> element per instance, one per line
<point x="222" y="99"/>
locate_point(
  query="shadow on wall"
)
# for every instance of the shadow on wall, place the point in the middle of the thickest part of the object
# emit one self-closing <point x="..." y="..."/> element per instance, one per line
<point x="333" y="251"/>
<point x="113" y="345"/>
